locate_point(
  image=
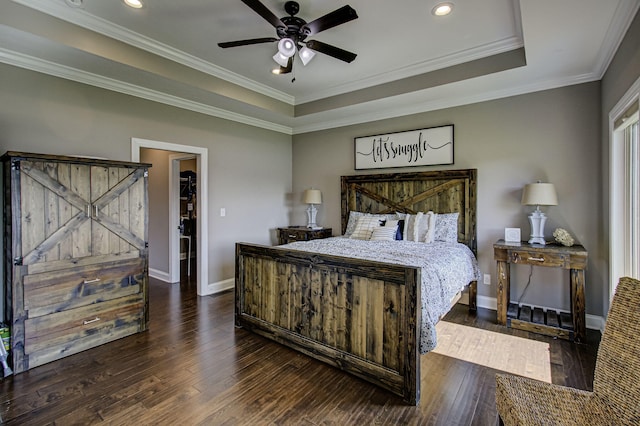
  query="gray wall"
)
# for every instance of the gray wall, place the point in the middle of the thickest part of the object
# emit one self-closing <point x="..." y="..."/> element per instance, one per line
<point x="158" y="207"/>
<point x="623" y="71"/>
<point x="249" y="168"/>
<point x="553" y="136"/>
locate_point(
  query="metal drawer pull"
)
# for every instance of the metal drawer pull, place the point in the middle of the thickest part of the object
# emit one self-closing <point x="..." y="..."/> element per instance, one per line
<point x="537" y="259"/>
<point x="292" y="236"/>
<point x="95" y="280"/>
<point x="85" y="322"/>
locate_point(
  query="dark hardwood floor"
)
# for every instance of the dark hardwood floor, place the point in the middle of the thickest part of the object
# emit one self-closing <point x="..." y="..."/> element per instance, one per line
<point x="194" y="367"/>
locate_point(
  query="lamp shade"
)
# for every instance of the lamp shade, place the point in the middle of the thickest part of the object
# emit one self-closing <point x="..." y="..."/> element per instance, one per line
<point x="312" y="196"/>
<point x="539" y="194"/>
<point x="306" y="55"/>
<point x="287" y="47"/>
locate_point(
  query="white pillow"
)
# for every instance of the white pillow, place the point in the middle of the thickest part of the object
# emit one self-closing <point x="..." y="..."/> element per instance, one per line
<point x="365" y="226"/>
<point x="419" y="227"/>
<point x="383" y="233"/>
<point x="391" y="223"/>
<point x="353" y="221"/>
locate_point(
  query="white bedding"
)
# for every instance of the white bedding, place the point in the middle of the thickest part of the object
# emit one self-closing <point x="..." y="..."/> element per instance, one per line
<point x="446" y="269"/>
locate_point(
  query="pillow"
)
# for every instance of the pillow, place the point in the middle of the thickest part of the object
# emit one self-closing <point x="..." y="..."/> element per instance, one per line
<point x="383" y="233"/>
<point x="400" y="230"/>
<point x="351" y="223"/>
<point x="365" y="226"/>
<point x="353" y="220"/>
<point x="416" y="227"/>
<point x="390" y="223"/>
<point x="446" y="227"/>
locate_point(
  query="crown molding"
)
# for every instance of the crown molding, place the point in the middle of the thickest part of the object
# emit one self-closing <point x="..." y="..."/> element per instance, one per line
<point x="395" y="111"/>
<point x="51" y="68"/>
<point x="457" y="58"/>
<point x="80" y="17"/>
<point x="57" y="70"/>
<point x="618" y="27"/>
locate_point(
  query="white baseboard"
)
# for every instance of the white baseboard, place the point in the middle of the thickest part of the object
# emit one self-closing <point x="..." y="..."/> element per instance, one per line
<point x="220" y="286"/>
<point x="594" y="322"/>
<point x="211" y="288"/>
<point x="159" y="275"/>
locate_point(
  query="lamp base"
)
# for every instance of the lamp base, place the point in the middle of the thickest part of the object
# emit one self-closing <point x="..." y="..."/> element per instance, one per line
<point x="537" y="220"/>
<point x="311" y="217"/>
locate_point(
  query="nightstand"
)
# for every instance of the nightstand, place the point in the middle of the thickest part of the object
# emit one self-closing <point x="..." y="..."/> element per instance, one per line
<point x="301" y="233"/>
<point x="551" y="323"/>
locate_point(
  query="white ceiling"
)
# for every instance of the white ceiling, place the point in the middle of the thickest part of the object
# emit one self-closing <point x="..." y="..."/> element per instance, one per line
<point x="417" y="62"/>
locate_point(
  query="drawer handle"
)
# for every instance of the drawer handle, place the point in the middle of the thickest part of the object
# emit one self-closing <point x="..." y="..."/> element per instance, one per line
<point x="536" y="259"/>
<point x="85" y="322"/>
<point x="292" y="236"/>
<point x="95" y="280"/>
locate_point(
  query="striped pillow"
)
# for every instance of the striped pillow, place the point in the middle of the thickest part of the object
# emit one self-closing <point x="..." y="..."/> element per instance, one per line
<point x="383" y="233"/>
<point x="364" y="227"/>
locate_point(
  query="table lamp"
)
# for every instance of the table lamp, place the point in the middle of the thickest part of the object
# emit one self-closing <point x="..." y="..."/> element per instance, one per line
<point x="538" y="194"/>
<point x="312" y="197"/>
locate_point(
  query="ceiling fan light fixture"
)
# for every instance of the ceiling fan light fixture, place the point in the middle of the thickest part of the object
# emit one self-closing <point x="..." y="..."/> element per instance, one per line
<point x="280" y="59"/>
<point x="306" y="55"/>
<point x="286" y="47"/>
<point x="136" y="4"/>
<point x="442" y="9"/>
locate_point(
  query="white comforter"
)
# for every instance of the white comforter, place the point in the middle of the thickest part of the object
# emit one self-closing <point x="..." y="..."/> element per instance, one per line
<point x="446" y="269"/>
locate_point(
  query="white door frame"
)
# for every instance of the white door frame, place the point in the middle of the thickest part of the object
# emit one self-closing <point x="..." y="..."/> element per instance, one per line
<point x="202" y="161"/>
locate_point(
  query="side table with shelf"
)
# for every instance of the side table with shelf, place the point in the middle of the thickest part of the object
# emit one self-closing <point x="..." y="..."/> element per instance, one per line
<point x="301" y="233"/>
<point x="574" y="258"/>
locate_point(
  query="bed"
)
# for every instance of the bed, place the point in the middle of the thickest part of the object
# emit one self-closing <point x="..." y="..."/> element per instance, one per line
<point x="360" y="315"/>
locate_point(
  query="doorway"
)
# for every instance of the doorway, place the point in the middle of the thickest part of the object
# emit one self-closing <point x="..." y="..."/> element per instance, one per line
<point x="183" y="208"/>
<point x="172" y="239"/>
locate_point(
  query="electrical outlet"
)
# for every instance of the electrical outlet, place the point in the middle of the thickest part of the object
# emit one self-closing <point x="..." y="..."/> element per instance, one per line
<point x="487" y="279"/>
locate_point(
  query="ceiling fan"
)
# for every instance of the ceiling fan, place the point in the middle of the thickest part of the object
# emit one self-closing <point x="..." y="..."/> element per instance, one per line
<point x="292" y="32"/>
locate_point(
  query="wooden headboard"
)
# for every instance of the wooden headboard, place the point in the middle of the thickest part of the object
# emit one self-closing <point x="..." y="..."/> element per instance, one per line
<point x="443" y="191"/>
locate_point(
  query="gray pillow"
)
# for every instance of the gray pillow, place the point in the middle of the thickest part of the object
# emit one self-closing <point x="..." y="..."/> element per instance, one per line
<point x="446" y="228"/>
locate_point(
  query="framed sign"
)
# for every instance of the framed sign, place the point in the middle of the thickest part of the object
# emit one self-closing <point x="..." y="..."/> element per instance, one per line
<point x="423" y="147"/>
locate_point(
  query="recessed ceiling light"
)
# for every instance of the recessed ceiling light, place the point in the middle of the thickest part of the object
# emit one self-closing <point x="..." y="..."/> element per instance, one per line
<point x="442" y="9"/>
<point x="137" y="4"/>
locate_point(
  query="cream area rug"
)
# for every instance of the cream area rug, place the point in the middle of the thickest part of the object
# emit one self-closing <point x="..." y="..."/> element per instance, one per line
<point x="502" y="352"/>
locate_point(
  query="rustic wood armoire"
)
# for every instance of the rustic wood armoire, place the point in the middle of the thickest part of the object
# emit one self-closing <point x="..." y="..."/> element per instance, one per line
<point x="76" y="254"/>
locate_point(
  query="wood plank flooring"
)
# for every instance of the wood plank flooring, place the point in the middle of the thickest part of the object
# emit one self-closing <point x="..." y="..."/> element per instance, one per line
<point x="194" y="368"/>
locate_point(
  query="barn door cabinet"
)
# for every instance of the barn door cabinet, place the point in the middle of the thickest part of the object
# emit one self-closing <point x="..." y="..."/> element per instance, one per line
<point x="76" y="254"/>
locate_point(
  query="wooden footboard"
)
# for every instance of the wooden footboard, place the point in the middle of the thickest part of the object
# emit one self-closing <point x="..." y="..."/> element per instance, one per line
<point x="360" y="316"/>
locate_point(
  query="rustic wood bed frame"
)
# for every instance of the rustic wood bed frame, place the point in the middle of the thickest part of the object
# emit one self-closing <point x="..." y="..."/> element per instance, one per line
<point x="360" y="316"/>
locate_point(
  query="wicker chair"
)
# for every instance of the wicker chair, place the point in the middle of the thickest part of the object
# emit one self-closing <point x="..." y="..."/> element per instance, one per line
<point x="615" y="399"/>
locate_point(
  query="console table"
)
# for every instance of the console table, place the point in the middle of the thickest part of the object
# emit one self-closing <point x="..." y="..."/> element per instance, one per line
<point x="573" y="258"/>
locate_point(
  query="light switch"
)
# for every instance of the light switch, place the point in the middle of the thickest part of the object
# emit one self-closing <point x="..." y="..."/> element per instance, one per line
<point x="223" y="212"/>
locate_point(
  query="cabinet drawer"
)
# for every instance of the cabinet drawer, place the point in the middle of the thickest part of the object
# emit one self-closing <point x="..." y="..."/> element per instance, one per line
<point x="291" y="235"/>
<point x="54" y="336"/>
<point x="56" y="291"/>
<point x="527" y="257"/>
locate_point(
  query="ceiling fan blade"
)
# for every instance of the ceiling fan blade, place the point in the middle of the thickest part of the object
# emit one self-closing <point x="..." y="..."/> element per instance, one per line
<point x="330" y="50"/>
<point x="330" y="20"/>
<point x="247" y="42"/>
<point x="262" y="10"/>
